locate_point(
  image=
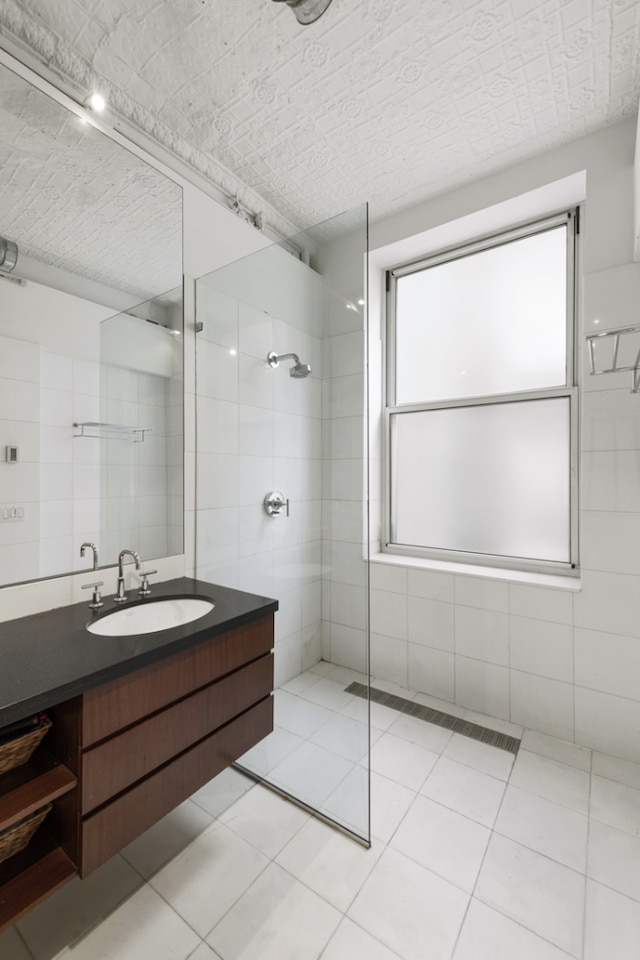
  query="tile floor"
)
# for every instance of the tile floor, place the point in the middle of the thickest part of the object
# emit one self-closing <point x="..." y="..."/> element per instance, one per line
<point x="475" y="856"/>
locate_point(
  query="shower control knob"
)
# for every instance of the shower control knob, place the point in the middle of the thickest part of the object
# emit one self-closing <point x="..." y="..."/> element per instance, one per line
<point x="274" y="502"/>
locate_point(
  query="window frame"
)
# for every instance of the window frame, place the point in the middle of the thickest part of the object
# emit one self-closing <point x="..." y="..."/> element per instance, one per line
<point x="571" y="219"/>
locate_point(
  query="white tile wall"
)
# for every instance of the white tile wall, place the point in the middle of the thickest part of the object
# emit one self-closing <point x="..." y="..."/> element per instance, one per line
<point x="260" y="430"/>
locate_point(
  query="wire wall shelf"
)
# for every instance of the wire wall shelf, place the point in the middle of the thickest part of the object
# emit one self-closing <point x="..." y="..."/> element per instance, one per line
<point x="110" y="431"/>
<point x="609" y="342"/>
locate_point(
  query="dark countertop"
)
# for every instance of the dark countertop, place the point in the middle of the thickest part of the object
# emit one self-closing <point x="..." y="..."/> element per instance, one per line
<point x="50" y="657"/>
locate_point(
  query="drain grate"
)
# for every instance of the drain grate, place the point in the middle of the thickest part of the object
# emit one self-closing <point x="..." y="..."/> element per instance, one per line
<point x="473" y="730"/>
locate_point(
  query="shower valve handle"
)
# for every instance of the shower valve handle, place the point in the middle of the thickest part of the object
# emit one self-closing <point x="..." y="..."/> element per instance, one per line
<point x="274" y="502"/>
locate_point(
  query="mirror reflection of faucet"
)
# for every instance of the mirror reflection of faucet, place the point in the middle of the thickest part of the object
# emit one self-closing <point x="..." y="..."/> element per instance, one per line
<point x="94" y="550"/>
<point x="274" y="502"/>
<point x="120" y="596"/>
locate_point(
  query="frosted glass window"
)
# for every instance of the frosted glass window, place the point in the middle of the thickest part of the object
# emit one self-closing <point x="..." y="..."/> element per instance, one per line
<point x="484" y="479"/>
<point x="490" y="322"/>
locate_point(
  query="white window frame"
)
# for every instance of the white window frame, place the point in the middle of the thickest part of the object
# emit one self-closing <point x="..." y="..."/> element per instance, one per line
<point x="570" y="218"/>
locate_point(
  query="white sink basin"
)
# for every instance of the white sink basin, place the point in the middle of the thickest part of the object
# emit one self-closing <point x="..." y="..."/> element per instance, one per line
<point x="150" y="617"/>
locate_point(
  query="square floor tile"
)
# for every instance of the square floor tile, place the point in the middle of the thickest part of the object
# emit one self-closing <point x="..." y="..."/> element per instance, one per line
<point x="346" y="676"/>
<point x="491" y="760"/>
<point x="426" y="735"/>
<point x="204" y="952"/>
<point x="559" y="782"/>
<point x="322" y="668"/>
<point x="612" y="926"/>
<point x="402" y="761"/>
<point x="489" y="935"/>
<point x="331" y="864"/>
<point x="349" y="802"/>
<point x="359" y="709"/>
<point x="203" y="882"/>
<point x="614" y="859"/>
<point x="410" y="909"/>
<point x="310" y="773"/>
<point x="494" y="723"/>
<point x="265" y="820"/>
<point x="623" y="771"/>
<point x="542" y="895"/>
<point x="351" y="942"/>
<point x="548" y="828"/>
<point x="76" y="908"/>
<point x="346" y="737"/>
<point x="12" y="947"/>
<point x="302" y="717"/>
<point x="553" y="749"/>
<point x="281" y="698"/>
<point x="329" y="694"/>
<point x="271" y="751"/>
<point x="142" y="928"/>
<point x="167" y="838"/>
<point x="222" y="791"/>
<point x="389" y="803"/>
<point x="300" y="683"/>
<point x="474" y="794"/>
<point x="278" y="918"/>
<point x="615" y="804"/>
<point x="443" y="841"/>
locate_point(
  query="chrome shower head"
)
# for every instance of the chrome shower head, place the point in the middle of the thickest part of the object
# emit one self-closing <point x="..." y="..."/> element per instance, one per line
<point x="299" y="370"/>
<point x="306" y="11"/>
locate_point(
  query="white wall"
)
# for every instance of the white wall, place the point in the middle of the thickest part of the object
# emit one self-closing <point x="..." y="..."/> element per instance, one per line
<point x="561" y="661"/>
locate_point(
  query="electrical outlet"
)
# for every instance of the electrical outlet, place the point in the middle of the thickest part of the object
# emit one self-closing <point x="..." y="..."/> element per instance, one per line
<point x="12" y="512"/>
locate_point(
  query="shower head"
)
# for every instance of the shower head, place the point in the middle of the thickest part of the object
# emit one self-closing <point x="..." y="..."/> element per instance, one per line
<point x="306" y="11"/>
<point x="298" y="371"/>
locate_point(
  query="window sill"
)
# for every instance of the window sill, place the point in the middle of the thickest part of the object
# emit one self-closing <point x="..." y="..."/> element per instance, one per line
<point x="553" y="581"/>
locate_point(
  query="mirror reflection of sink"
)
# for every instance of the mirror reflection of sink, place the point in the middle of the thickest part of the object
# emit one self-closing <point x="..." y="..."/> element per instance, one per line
<point x="150" y="616"/>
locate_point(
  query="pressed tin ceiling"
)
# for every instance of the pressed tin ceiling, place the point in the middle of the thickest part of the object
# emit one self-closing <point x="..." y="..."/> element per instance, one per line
<point x="386" y="101"/>
<point x="75" y="200"/>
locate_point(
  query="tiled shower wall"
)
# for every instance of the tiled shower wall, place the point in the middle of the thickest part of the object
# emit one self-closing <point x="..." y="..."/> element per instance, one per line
<point x="344" y="588"/>
<point x="260" y="430"/>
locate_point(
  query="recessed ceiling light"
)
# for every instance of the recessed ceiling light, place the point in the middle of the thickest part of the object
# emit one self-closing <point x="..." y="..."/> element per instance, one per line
<point x="96" y="102"/>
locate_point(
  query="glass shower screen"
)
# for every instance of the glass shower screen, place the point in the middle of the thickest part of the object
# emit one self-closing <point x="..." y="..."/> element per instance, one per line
<point x="282" y="494"/>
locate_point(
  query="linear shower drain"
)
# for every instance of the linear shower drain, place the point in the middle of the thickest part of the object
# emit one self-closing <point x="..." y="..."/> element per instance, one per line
<point x="474" y="730"/>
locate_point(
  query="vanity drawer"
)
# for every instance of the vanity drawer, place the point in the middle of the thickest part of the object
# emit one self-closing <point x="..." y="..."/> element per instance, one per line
<point x="113" y="706"/>
<point x="115" y="764"/>
<point x="111" y="828"/>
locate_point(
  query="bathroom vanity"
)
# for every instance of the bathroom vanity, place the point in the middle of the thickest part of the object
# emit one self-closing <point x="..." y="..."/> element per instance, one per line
<point x="139" y="724"/>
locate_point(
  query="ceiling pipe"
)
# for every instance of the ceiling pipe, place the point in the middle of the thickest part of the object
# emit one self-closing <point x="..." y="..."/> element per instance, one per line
<point x="8" y="255"/>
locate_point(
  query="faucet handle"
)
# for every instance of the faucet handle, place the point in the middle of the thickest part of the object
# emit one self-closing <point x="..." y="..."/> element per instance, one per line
<point x="145" y="589"/>
<point x="96" y="600"/>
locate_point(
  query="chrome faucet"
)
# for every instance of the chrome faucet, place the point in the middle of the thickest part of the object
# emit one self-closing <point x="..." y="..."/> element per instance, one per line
<point x="92" y="547"/>
<point x="120" y="596"/>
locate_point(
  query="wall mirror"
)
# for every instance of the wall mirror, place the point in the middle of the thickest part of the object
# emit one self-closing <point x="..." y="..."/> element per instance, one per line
<point x="91" y="355"/>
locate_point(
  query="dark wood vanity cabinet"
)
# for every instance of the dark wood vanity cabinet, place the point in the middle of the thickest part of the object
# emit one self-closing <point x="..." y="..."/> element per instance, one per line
<point x="134" y="748"/>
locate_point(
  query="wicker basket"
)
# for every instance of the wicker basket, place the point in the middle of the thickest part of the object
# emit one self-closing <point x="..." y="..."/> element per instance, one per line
<point x="16" y="837"/>
<point x="16" y="752"/>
